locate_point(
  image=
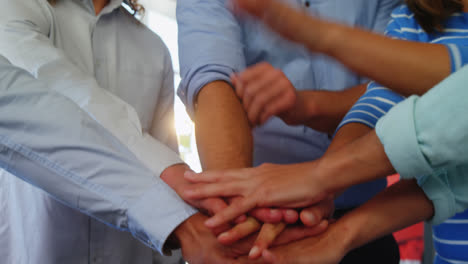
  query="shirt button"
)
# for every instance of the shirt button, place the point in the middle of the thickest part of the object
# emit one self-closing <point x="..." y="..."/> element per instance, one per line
<point x="307" y="3"/>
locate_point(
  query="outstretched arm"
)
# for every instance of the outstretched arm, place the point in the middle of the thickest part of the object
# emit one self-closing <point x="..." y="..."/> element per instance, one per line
<point x="377" y="57"/>
<point x="48" y="141"/>
<point x="398" y="206"/>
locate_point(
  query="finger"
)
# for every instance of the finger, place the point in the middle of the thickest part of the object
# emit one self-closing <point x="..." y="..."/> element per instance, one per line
<point x="258" y="86"/>
<point x="254" y="72"/>
<point x="313" y="215"/>
<point x="217" y="176"/>
<point x="212" y="205"/>
<point x="269" y="257"/>
<point x="267" y="235"/>
<point x="207" y="176"/>
<point x="265" y="97"/>
<point x="284" y="101"/>
<point x="235" y="209"/>
<point x="241" y="218"/>
<point x="238" y="85"/>
<point x="291" y="234"/>
<point x="248" y="75"/>
<point x="267" y="215"/>
<point x="290" y="216"/>
<point x="239" y="231"/>
<point x="207" y="190"/>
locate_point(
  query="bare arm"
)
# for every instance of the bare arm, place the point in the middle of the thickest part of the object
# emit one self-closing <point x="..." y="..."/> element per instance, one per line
<point x="266" y="91"/>
<point x="223" y="133"/>
<point x="401" y="205"/>
<point x="324" y="109"/>
<point x="398" y="206"/>
<point x="377" y="57"/>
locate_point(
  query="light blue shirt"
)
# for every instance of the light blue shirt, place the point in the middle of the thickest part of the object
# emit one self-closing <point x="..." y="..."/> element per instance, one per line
<point x="426" y="138"/>
<point x="88" y="121"/>
<point x="213" y="43"/>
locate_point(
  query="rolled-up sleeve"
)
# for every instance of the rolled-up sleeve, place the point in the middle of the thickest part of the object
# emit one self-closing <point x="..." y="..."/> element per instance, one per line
<point x="48" y="141"/>
<point x="425" y="136"/>
<point x="458" y="56"/>
<point x="210" y="46"/>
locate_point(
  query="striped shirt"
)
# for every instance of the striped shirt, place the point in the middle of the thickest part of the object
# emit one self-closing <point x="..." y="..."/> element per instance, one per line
<point x="450" y="237"/>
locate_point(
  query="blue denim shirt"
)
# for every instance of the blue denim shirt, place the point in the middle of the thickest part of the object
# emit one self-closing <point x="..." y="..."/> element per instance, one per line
<point x="213" y="43"/>
<point x="87" y="120"/>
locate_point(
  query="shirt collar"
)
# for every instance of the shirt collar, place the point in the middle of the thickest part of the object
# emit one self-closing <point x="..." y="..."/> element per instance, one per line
<point x="113" y="4"/>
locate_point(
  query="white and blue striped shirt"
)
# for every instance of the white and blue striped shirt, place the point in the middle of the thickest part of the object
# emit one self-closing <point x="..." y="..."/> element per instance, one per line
<point x="450" y="237"/>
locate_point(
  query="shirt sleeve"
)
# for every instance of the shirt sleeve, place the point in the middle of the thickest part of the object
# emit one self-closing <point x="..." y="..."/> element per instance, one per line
<point x="371" y="106"/>
<point x="25" y="27"/>
<point x="424" y="135"/>
<point x="382" y="16"/>
<point x="163" y="119"/>
<point x="458" y="56"/>
<point x="210" y="46"/>
<point x="48" y="141"/>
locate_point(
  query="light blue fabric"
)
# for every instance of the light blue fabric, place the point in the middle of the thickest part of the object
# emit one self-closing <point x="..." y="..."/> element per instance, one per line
<point x="88" y="120"/>
<point x="213" y="43"/>
<point x="424" y="138"/>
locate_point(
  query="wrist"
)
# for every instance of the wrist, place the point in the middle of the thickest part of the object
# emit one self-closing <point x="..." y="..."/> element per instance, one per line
<point x="333" y="34"/>
<point x="174" y="175"/>
<point x="346" y="232"/>
<point x="327" y="174"/>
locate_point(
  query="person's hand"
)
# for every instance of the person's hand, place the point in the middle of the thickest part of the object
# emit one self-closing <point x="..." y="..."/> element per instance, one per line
<point x="174" y="177"/>
<point x="269" y="185"/>
<point x="316" y="217"/>
<point x="265" y="92"/>
<point x="328" y="248"/>
<point x="199" y="245"/>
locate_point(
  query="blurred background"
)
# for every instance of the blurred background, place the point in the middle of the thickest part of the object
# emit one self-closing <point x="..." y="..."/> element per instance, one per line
<point x="160" y="17"/>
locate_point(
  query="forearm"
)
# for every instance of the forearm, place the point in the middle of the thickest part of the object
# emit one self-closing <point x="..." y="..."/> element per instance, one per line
<point x="398" y="206"/>
<point x="223" y="133"/>
<point x="360" y="161"/>
<point x="54" y="145"/>
<point x="381" y="59"/>
<point x="371" y="55"/>
<point x="325" y="109"/>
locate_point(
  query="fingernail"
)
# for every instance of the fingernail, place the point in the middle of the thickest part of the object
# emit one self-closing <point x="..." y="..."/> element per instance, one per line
<point x="290" y="213"/>
<point x="309" y="217"/>
<point x="223" y="236"/>
<point x="210" y="223"/>
<point x="275" y="211"/>
<point x="254" y="251"/>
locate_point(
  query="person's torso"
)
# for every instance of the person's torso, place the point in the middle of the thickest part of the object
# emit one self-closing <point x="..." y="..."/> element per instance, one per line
<point x="126" y="59"/>
<point x="276" y="142"/>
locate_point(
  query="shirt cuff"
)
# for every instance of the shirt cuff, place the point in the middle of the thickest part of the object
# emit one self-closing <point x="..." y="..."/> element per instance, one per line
<point x="156" y="214"/>
<point x="436" y="189"/>
<point x="397" y="133"/>
<point x="190" y="86"/>
<point x="458" y="56"/>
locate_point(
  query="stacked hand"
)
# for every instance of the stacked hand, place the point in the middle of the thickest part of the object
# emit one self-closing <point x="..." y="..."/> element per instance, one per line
<point x="278" y="186"/>
<point x="273" y="232"/>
